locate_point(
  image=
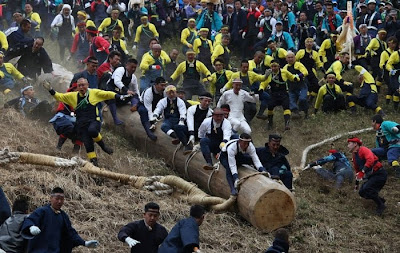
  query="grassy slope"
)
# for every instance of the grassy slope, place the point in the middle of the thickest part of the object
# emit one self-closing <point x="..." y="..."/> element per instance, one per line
<point x="327" y="220"/>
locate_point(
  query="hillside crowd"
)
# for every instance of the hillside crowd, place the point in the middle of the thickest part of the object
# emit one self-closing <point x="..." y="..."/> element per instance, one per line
<point x="283" y="45"/>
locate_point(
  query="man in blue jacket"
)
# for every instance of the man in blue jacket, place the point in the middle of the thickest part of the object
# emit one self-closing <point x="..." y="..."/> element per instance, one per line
<point x="209" y="19"/>
<point x="49" y="229"/>
<point x="273" y="158"/>
<point x="184" y="236"/>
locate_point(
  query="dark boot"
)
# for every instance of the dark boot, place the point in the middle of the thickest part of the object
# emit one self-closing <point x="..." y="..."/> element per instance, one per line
<point x="188" y="149"/>
<point x="105" y="148"/>
<point x="113" y="111"/>
<point x="149" y="133"/>
<point x="396" y="106"/>
<point x="397" y="171"/>
<point x="270" y="121"/>
<point x="353" y="110"/>
<point x="380" y="205"/>
<point x="61" y="141"/>
<point x="76" y="148"/>
<point x="175" y="140"/>
<point x="287" y="121"/>
<point x="95" y="162"/>
<point x="388" y="101"/>
<point x="305" y="114"/>
<point x="260" y="114"/>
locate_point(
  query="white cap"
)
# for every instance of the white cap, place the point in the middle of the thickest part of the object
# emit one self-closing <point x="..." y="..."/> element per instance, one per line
<point x="371" y="2"/>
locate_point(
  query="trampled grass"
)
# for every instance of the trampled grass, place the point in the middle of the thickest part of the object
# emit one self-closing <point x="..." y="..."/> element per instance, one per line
<point x="327" y="220"/>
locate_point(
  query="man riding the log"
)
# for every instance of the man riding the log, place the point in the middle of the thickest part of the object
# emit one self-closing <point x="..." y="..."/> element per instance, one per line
<point x="214" y="133"/>
<point x="174" y="110"/>
<point x="238" y="152"/>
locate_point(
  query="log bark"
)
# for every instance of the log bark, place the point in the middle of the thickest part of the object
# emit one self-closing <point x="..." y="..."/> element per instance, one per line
<point x="263" y="202"/>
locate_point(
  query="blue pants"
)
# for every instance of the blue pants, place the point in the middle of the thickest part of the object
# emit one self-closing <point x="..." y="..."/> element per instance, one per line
<point x="368" y="101"/>
<point x="284" y="174"/>
<point x="240" y="159"/>
<point x="298" y="95"/>
<point x="209" y="146"/>
<point x="7" y="83"/>
<point x="343" y="174"/>
<point x="370" y="189"/>
<point x="173" y="123"/>
<point x="393" y="154"/>
<point x="381" y="153"/>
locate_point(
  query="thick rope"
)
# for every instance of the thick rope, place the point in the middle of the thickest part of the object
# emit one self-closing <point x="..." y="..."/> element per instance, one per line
<point x="331" y="139"/>
<point x="160" y="185"/>
<point x="243" y="179"/>
<point x="209" y="180"/>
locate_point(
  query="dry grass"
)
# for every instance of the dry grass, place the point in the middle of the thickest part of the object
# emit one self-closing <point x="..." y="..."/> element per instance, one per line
<point x="327" y="220"/>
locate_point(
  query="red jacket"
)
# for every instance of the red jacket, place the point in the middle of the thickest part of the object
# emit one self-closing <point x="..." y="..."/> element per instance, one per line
<point x="103" y="68"/>
<point x="101" y="44"/>
<point x="365" y="158"/>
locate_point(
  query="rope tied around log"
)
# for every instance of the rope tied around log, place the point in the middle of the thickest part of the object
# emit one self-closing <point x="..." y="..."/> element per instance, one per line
<point x="160" y="185"/>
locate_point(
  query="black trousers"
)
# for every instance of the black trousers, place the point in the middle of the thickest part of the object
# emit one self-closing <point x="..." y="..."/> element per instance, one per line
<point x="375" y="183"/>
<point x="87" y="132"/>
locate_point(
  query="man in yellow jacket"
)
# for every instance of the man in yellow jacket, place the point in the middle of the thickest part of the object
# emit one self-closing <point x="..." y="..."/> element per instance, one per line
<point x="328" y="50"/>
<point x="108" y="24"/>
<point x="191" y="70"/>
<point x="8" y="74"/>
<point x="153" y="65"/>
<point x="84" y="103"/>
<point x="339" y="67"/>
<point x="374" y="50"/>
<point x="298" y="86"/>
<point x="368" y="96"/>
<point x="144" y="33"/>
<point x="188" y="35"/>
<point x="391" y="93"/>
<point x="221" y="50"/>
<point x="310" y="59"/>
<point x="203" y="47"/>
<point x="330" y="96"/>
<point x="33" y="16"/>
<point x="276" y="83"/>
<point x="218" y="79"/>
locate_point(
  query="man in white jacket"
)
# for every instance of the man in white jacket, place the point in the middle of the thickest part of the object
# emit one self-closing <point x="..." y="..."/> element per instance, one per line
<point x="66" y="25"/>
<point x="235" y="153"/>
<point x="236" y="98"/>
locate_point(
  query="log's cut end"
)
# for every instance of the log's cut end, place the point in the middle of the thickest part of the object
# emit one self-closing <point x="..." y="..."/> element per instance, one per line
<point x="269" y="207"/>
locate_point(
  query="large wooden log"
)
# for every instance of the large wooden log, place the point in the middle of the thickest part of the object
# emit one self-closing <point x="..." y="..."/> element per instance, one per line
<point x="266" y="204"/>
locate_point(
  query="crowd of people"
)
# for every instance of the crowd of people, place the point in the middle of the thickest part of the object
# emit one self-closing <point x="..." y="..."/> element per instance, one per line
<point x="49" y="229"/>
<point x="282" y="46"/>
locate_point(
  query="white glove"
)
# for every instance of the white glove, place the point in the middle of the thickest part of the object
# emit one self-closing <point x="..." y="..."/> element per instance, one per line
<point x="46" y="85"/>
<point x="260" y="35"/>
<point x="236" y="184"/>
<point x="307" y="167"/>
<point x="131" y="242"/>
<point x="181" y="123"/>
<point x="154" y="118"/>
<point x="91" y="244"/>
<point x="34" y="230"/>
<point x="222" y="90"/>
<point x="191" y="139"/>
<point x="268" y="72"/>
<point x="162" y="22"/>
<point x="134" y="47"/>
<point x="243" y="35"/>
<point x="395" y="130"/>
